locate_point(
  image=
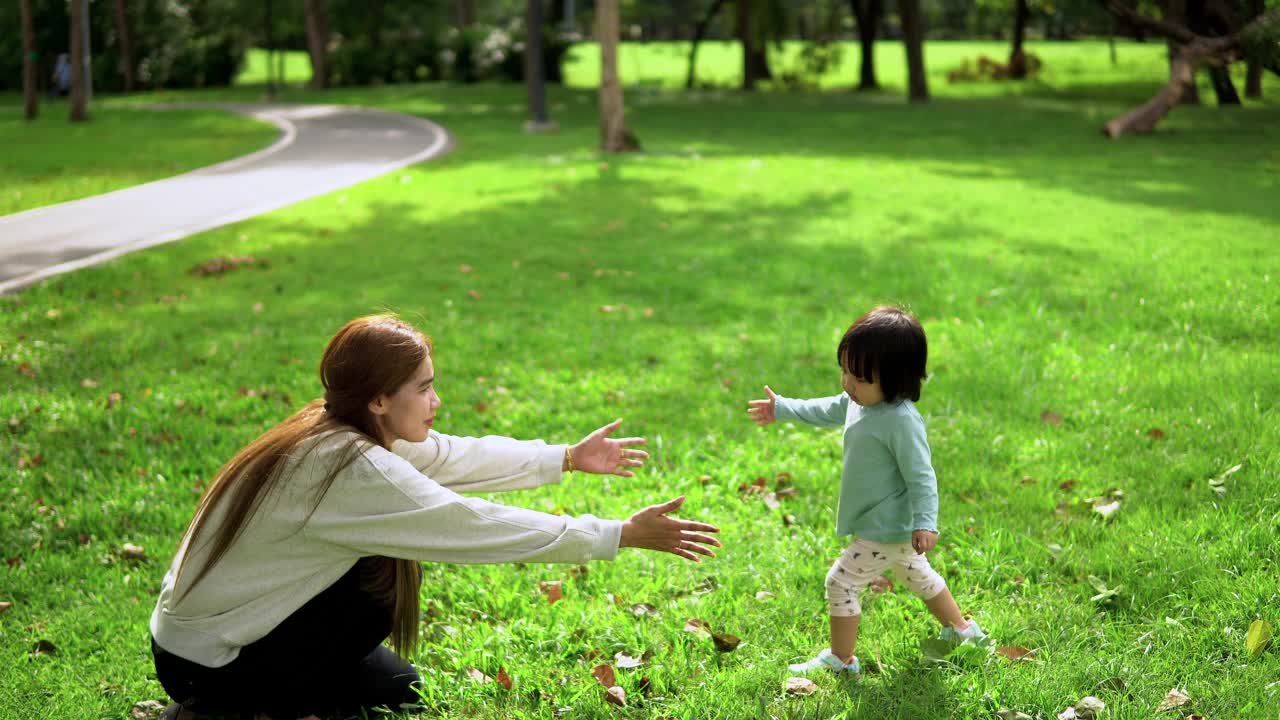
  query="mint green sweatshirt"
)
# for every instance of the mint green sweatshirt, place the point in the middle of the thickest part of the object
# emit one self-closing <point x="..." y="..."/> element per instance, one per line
<point x="888" y="488"/>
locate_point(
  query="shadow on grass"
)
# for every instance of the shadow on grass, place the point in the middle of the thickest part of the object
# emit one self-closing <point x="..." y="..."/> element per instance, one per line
<point x="912" y="692"/>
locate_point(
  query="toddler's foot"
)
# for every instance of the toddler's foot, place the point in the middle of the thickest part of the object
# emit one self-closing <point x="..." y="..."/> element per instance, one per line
<point x="827" y="660"/>
<point x="972" y="635"/>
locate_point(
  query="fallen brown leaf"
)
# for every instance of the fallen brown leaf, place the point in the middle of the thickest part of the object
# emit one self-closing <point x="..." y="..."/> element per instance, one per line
<point x="553" y="589"/>
<point x="694" y="627"/>
<point x="503" y="678"/>
<point x="1016" y="653"/>
<point x="5" y="606"/>
<point x="616" y="695"/>
<point x="1051" y="418"/>
<point x="221" y="265"/>
<point x="604" y="674"/>
<point x="725" y="642"/>
<point x="800" y="686"/>
<point x="1066" y="485"/>
<point x="1175" y="699"/>
<point x="478" y="676"/>
<point x="146" y="710"/>
<point x="129" y="551"/>
<point x="30" y="462"/>
<point x="642" y="609"/>
<point x="44" y="647"/>
<point x="1155" y="434"/>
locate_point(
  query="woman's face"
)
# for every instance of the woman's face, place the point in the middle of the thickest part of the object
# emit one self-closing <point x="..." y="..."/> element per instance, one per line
<point x="408" y="413"/>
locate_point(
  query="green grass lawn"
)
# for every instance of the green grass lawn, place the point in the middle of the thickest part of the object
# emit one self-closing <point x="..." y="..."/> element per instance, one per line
<point x="1124" y="287"/>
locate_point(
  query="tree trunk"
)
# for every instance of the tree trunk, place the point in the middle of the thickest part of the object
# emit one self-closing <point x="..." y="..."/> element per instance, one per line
<point x="376" y="10"/>
<point x="126" y="44"/>
<point x="699" y="31"/>
<point x="1111" y="41"/>
<point x="1175" y="12"/>
<point x="30" y="95"/>
<point x="755" y="58"/>
<point x="868" y="14"/>
<point x="1144" y="118"/>
<point x="1222" y="85"/>
<point x="534" y="73"/>
<point x="1253" y="82"/>
<point x="79" y="99"/>
<point x="464" y="13"/>
<point x="913" y="39"/>
<point x="1253" y="75"/>
<point x="1017" y="58"/>
<point x="317" y="18"/>
<point x="614" y="137"/>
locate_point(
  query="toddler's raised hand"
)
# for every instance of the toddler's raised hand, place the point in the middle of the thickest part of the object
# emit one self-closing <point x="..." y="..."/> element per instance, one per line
<point x="761" y="411"/>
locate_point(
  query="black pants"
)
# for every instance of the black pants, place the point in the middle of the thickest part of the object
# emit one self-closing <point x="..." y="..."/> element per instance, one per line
<point x="327" y="658"/>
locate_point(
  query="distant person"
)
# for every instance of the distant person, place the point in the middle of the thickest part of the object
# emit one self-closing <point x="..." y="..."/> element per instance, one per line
<point x="61" y="76"/>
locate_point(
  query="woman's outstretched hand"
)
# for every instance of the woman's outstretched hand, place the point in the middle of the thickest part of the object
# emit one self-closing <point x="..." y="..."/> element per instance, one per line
<point x="762" y="411"/>
<point x="651" y="529"/>
<point x="598" y="453"/>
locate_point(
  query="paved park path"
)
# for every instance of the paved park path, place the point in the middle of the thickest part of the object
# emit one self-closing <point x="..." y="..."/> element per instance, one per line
<point x="322" y="148"/>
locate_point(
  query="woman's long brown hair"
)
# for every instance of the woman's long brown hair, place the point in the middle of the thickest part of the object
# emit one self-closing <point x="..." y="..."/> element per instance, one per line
<point x="368" y="357"/>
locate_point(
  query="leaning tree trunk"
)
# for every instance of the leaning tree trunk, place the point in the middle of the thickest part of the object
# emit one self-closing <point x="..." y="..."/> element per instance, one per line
<point x="126" y="44"/>
<point x="1222" y="85"/>
<point x="1144" y="118"/>
<point x="79" y="98"/>
<point x="868" y="14"/>
<point x="1192" y="50"/>
<point x="317" y="14"/>
<point x="614" y="137"/>
<point x="913" y="38"/>
<point x="700" y="31"/>
<point x="1175" y="11"/>
<point x="1017" y="58"/>
<point x="30" y="96"/>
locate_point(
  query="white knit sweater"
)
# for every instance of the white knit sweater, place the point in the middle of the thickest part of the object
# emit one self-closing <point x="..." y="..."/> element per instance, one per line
<point x="398" y="504"/>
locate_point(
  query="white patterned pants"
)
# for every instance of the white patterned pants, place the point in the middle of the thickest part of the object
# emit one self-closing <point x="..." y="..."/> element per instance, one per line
<point x="865" y="560"/>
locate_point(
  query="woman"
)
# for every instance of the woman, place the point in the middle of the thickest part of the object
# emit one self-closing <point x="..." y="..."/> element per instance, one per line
<point x="304" y="553"/>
